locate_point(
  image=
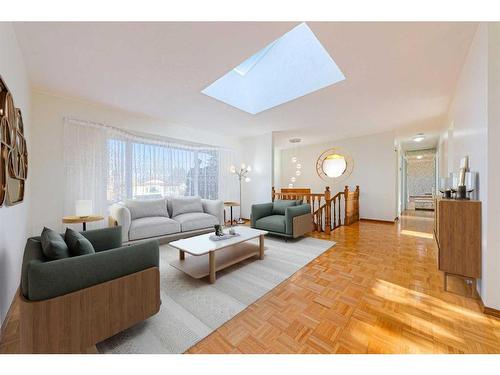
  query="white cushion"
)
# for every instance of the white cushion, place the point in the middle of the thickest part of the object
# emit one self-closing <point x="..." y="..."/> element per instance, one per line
<point x="195" y="220"/>
<point x="152" y="227"/>
<point x="183" y="205"/>
<point x="147" y="208"/>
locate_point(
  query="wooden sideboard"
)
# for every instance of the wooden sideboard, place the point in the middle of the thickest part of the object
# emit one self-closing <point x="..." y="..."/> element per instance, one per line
<point x="457" y="229"/>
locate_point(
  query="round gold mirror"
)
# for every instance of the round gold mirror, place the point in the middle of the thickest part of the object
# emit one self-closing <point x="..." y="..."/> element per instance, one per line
<point x="335" y="165"/>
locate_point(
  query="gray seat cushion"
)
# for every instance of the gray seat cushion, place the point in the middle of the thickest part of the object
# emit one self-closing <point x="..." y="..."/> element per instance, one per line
<point x="152" y="227"/>
<point x="273" y="223"/>
<point x="195" y="220"/>
<point x="147" y="208"/>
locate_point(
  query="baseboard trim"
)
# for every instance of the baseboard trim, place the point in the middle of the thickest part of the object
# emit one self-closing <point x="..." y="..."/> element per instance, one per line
<point x="488" y="310"/>
<point x="378" y="221"/>
<point x="7" y="316"/>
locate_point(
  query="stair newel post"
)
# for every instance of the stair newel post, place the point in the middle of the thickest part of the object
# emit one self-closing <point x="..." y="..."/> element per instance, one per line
<point x="328" y="210"/>
<point x="357" y="204"/>
<point x="346" y="195"/>
<point x="334" y="213"/>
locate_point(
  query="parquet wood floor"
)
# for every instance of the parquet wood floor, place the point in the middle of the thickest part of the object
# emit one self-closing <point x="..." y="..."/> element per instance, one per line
<point x="377" y="291"/>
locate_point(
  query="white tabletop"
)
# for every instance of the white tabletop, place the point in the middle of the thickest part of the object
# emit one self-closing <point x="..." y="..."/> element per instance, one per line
<point x="199" y="245"/>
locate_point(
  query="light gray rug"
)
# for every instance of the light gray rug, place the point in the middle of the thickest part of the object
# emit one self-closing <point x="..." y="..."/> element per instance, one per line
<point x="191" y="309"/>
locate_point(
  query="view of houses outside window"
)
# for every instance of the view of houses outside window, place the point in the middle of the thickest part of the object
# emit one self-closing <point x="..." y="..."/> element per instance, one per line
<point x="147" y="171"/>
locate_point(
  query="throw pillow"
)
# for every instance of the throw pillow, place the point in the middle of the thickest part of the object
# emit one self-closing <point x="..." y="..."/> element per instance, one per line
<point x="186" y="205"/>
<point x="279" y="206"/>
<point x="53" y="245"/>
<point x="147" y="208"/>
<point x="77" y="243"/>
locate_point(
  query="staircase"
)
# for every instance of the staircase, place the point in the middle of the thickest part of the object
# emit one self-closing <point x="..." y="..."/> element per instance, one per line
<point x="328" y="212"/>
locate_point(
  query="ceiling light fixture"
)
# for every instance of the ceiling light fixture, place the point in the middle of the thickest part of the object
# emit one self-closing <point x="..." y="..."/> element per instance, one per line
<point x="419" y="137"/>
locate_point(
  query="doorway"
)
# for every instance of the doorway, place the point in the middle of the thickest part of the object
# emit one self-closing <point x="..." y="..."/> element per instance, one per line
<point x="418" y="180"/>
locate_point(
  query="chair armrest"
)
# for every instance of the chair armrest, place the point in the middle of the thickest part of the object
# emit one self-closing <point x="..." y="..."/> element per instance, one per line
<point x="215" y="208"/>
<point x="58" y="277"/>
<point x="259" y="211"/>
<point x="121" y="215"/>
<point x="104" y="238"/>
<point x="291" y="212"/>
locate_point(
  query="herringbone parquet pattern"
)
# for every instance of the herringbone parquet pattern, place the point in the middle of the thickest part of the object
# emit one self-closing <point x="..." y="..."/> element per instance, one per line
<point x="377" y="291"/>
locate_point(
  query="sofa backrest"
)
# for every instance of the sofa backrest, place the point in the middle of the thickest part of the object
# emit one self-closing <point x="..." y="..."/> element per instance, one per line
<point x="183" y="205"/>
<point x="147" y="208"/>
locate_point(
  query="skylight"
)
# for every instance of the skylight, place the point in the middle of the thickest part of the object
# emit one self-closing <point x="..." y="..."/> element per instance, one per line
<point x="292" y="66"/>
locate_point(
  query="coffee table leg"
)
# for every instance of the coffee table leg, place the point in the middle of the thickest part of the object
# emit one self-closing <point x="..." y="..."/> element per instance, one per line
<point x="261" y="247"/>
<point x="182" y="256"/>
<point x="211" y="261"/>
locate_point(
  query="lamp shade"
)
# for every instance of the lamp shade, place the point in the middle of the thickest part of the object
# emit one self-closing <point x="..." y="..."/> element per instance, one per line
<point x="334" y="165"/>
<point x="83" y="208"/>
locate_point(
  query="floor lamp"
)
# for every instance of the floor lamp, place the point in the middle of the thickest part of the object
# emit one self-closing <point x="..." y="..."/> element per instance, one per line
<point x="242" y="174"/>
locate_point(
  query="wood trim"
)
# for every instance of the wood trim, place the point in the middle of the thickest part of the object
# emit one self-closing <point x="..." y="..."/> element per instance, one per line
<point x="491" y="311"/>
<point x="378" y="221"/>
<point x="76" y="321"/>
<point x="488" y="310"/>
<point x="5" y="322"/>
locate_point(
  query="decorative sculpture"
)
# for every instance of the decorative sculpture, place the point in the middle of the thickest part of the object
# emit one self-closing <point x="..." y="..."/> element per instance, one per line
<point x="13" y="150"/>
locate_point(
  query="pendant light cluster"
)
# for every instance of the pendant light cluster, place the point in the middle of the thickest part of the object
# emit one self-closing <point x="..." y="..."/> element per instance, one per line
<point x="295" y="162"/>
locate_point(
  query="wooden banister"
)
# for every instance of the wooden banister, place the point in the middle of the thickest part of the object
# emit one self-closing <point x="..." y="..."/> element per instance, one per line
<point x="326" y="210"/>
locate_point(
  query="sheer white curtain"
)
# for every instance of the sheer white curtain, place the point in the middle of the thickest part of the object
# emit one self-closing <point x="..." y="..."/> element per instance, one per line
<point x="85" y="167"/>
<point x="108" y="165"/>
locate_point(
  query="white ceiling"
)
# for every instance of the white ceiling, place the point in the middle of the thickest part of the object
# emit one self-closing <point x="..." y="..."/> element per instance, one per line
<point x="398" y="75"/>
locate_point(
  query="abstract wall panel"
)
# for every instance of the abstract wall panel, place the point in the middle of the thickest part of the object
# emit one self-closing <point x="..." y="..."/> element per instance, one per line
<point x="13" y="150"/>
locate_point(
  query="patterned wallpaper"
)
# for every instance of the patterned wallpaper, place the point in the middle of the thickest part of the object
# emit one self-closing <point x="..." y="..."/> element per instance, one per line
<point x="420" y="173"/>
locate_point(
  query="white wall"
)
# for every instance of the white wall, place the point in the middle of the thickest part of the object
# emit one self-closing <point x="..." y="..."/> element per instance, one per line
<point x="257" y="152"/>
<point x="474" y="130"/>
<point x="47" y="171"/>
<point x="375" y="171"/>
<point x="467" y="132"/>
<point x="491" y="261"/>
<point x="14" y="227"/>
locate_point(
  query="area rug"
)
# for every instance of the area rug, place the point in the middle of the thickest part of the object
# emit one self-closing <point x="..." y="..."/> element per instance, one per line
<point x="191" y="309"/>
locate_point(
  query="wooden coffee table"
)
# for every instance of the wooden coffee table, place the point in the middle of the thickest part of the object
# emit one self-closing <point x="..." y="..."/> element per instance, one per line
<point x="209" y="256"/>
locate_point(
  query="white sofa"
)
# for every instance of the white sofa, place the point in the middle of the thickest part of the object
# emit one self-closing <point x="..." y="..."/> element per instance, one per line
<point x="167" y="219"/>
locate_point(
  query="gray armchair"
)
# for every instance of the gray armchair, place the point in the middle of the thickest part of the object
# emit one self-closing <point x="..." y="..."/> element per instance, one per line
<point x="287" y="218"/>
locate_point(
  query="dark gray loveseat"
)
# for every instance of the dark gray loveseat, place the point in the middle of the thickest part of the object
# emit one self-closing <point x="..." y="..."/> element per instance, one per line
<point x="70" y="304"/>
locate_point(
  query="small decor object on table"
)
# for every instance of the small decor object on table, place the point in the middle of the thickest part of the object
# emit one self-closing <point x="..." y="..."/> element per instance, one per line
<point x="218" y="230"/>
<point x="220" y="235"/>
